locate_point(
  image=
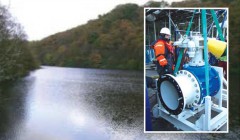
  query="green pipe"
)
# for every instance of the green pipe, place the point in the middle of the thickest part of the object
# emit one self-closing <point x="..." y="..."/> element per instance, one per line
<point x="204" y="27"/>
<point x="217" y="24"/>
<point x="178" y="61"/>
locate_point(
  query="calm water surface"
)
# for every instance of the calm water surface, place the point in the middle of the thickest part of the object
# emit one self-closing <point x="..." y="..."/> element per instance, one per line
<point x="55" y="103"/>
<point x="68" y="104"/>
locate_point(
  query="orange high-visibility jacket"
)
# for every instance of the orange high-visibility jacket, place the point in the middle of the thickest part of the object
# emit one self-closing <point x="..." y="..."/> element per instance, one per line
<point x="159" y="48"/>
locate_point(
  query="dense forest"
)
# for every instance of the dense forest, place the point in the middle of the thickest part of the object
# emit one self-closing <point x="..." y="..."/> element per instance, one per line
<point x="16" y="60"/>
<point x="113" y="41"/>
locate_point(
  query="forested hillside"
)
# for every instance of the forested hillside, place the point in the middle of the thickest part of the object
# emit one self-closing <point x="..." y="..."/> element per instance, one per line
<point x="16" y="59"/>
<point x="114" y="40"/>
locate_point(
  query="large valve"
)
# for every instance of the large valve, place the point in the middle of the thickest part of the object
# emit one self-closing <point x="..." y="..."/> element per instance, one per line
<point x="188" y="87"/>
<point x="179" y="92"/>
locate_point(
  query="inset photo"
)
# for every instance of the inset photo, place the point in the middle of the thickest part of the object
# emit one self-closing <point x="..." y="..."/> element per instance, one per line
<point x="186" y="70"/>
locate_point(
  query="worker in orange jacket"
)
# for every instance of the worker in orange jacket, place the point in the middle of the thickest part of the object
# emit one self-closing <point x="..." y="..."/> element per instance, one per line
<point x="164" y="52"/>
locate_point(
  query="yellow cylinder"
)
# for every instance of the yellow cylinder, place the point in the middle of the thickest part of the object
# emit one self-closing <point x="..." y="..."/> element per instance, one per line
<point x="216" y="47"/>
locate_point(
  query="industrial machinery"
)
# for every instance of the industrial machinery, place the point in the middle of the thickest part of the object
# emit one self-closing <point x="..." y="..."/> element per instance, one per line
<point x="193" y="98"/>
<point x="184" y="94"/>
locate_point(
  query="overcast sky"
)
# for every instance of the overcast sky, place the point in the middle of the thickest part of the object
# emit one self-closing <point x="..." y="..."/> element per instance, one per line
<point x="41" y="18"/>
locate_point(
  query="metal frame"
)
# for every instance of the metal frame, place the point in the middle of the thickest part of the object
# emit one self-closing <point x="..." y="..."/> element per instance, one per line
<point x="205" y="122"/>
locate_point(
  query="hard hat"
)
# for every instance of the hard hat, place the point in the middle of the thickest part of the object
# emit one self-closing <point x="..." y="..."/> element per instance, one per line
<point x="165" y="31"/>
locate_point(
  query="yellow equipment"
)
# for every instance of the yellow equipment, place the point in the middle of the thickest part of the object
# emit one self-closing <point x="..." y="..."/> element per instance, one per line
<point x="217" y="47"/>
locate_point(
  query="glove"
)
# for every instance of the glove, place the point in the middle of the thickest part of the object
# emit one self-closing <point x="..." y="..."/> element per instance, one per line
<point x="162" y="60"/>
<point x="170" y="48"/>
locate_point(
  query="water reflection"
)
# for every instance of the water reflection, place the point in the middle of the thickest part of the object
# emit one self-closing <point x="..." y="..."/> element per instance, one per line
<point x="57" y="108"/>
<point x="76" y="104"/>
<point x="62" y="103"/>
<point x="12" y="108"/>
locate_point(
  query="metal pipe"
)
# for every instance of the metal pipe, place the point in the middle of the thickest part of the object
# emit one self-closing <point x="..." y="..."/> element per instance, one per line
<point x="155" y="37"/>
<point x="154" y="27"/>
<point x="199" y="21"/>
<point x="207" y="119"/>
<point x="217" y="24"/>
<point x="225" y="17"/>
<point x="169" y="22"/>
<point x="204" y="25"/>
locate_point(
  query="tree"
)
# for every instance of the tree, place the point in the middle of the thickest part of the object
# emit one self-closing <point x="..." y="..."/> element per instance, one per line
<point x="112" y="41"/>
<point x="13" y="48"/>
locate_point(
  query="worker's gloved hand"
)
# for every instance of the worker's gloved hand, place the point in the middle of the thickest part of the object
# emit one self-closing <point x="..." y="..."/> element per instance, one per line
<point x="170" y="48"/>
<point x="162" y="60"/>
<point x="171" y="51"/>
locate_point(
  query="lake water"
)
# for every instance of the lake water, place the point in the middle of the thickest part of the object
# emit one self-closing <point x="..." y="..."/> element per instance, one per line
<point x="55" y="103"/>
